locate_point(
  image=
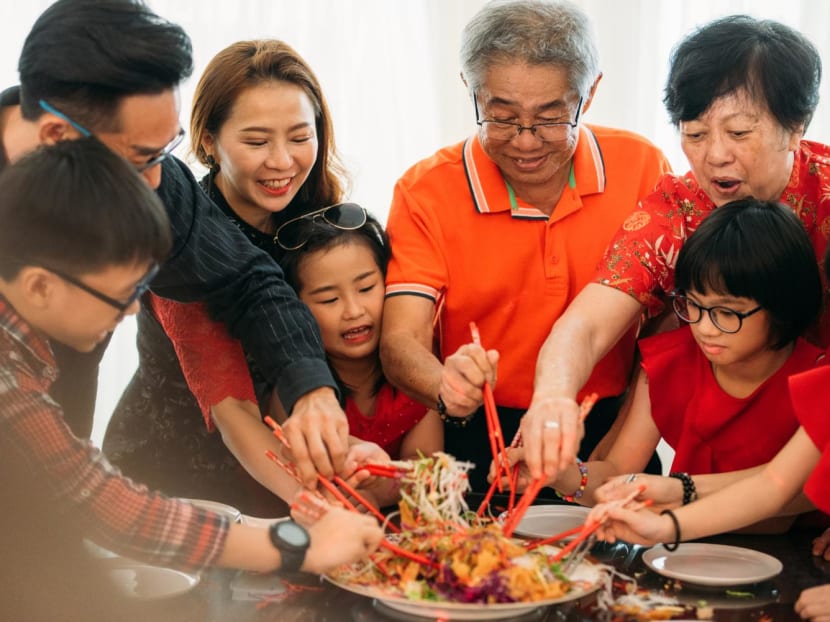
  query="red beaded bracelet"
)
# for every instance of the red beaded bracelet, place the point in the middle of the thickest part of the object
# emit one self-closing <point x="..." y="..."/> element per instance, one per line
<point x="583" y="471"/>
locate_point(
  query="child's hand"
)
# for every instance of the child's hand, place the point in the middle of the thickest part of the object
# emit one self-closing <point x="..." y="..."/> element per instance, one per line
<point x="814" y="603"/>
<point x="640" y="526"/>
<point x="340" y="537"/>
<point x="664" y="492"/>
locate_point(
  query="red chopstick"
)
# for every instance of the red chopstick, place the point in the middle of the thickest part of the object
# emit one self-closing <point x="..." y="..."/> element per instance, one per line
<point x="586" y="531"/>
<point x="362" y="500"/>
<point x="551" y="539"/>
<point x="493" y="425"/>
<point x="277" y="431"/>
<point x="384" y="470"/>
<point x="515" y="517"/>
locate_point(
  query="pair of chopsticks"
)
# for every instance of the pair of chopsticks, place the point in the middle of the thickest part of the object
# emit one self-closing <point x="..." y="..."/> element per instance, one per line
<point x="515" y="515"/>
<point x="332" y="487"/>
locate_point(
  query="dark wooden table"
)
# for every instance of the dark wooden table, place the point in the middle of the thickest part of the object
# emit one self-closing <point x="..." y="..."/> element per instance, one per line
<point x="322" y="602"/>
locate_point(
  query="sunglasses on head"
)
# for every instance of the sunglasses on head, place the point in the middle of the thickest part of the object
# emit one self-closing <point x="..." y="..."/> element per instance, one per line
<point x="294" y="233"/>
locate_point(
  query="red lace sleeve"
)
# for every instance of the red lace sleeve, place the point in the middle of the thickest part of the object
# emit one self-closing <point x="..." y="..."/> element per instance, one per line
<point x="213" y="362"/>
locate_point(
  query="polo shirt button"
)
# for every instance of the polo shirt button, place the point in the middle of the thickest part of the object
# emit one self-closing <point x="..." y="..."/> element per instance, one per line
<point x="554" y="259"/>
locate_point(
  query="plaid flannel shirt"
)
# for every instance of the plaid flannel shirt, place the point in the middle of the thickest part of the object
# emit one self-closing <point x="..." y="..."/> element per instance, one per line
<point x="119" y="514"/>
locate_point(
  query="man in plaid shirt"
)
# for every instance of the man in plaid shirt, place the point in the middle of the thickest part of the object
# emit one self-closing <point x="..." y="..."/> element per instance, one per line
<point x="76" y="253"/>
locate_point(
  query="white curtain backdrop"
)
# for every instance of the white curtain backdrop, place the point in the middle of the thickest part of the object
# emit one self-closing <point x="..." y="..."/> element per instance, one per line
<point x="389" y="69"/>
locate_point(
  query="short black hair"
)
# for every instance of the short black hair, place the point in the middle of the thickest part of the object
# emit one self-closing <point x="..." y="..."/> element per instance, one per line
<point x="773" y="62"/>
<point x="78" y="207"/>
<point x="322" y="235"/>
<point x="83" y="56"/>
<point x="760" y="250"/>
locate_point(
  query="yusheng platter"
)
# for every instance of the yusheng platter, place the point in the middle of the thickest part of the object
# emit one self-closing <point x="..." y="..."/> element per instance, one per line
<point x="474" y="571"/>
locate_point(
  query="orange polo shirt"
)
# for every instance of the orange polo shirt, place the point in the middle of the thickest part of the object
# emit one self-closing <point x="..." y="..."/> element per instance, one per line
<point x="514" y="270"/>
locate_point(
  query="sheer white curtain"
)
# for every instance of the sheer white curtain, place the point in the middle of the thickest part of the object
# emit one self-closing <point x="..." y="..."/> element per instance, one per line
<point x="389" y="69"/>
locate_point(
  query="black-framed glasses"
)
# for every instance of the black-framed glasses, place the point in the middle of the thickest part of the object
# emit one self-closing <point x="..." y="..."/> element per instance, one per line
<point x="122" y="305"/>
<point x="725" y="319"/>
<point x="294" y="233"/>
<point x="164" y="153"/>
<point x="552" y="131"/>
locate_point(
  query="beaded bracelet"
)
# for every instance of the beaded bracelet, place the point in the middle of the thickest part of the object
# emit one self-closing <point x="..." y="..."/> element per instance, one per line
<point x="689" y="490"/>
<point x="458" y="422"/>
<point x="673" y="546"/>
<point x="583" y="471"/>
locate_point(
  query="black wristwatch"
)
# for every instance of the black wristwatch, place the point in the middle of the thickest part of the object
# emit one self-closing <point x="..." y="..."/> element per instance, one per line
<point x="292" y="541"/>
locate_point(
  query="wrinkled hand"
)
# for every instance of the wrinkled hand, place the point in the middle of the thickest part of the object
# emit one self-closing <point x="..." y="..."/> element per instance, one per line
<point x="664" y="492"/>
<point x="340" y="537"/>
<point x="640" y="526"/>
<point x="463" y="377"/>
<point x="551" y="432"/>
<point x="814" y="604"/>
<point x="821" y="545"/>
<point x="318" y="433"/>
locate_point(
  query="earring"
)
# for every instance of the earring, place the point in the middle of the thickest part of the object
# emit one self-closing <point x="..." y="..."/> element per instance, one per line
<point x="211" y="162"/>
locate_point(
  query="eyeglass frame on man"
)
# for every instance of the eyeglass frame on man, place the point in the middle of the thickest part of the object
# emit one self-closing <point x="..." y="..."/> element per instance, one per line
<point x="162" y="155"/>
<point x="312" y="216"/>
<point x="141" y="287"/>
<point x="533" y="128"/>
<point x="741" y="315"/>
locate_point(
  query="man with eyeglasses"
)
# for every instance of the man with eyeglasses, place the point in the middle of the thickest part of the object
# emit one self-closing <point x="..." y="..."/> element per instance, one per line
<point x="110" y="69"/>
<point x="510" y="224"/>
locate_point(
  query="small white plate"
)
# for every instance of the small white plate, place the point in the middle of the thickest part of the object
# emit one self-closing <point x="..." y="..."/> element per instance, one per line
<point x="151" y="582"/>
<point x="544" y="521"/>
<point x="712" y="564"/>
<point x="231" y="512"/>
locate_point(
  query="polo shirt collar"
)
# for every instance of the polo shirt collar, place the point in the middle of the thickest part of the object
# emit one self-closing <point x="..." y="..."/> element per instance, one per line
<point x="491" y="193"/>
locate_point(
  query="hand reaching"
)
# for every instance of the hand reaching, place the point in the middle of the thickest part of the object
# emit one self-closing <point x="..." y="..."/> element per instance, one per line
<point x="463" y="376"/>
<point x="340" y="537"/>
<point x="814" y="604"/>
<point x="318" y="433"/>
<point x="665" y="492"/>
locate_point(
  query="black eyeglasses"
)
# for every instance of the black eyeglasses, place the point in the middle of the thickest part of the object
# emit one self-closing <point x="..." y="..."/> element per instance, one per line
<point x="294" y="233"/>
<point x="164" y="153"/>
<point x="725" y="319"/>
<point x="122" y="305"/>
<point x="552" y="131"/>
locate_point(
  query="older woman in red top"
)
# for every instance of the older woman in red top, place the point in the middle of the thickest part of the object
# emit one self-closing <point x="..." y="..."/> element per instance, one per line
<point x="741" y="124"/>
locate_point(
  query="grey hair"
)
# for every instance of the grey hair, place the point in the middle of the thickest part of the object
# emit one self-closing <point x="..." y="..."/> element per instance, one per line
<point x="536" y="32"/>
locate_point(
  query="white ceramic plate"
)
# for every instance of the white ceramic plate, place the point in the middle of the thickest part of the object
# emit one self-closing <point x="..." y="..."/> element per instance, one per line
<point x="588" y="574"/>
<point x="712" y="564"/>
<point x="231" y="512"/>
<point x="544" y="521"/>
<point x="150" y="582"/>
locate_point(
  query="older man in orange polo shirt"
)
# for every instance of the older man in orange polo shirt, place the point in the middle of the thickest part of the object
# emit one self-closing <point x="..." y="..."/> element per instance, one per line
<point x="510" y="225"/>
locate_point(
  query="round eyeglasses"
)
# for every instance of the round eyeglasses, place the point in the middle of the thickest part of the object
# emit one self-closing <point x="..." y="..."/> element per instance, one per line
<point x="725" y="319"/>
<point x="293" y="234"/>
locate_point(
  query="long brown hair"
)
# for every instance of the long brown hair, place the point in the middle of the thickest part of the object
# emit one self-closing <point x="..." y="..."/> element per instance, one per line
<point x="246" y="64"/>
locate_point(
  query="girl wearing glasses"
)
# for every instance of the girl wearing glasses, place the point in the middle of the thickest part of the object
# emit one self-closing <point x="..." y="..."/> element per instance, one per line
<point x="716" y="388"/>
<point x="261" y="125"/>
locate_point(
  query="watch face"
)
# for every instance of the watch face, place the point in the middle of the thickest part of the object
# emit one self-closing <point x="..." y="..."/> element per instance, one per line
<point x="291" y="533"/>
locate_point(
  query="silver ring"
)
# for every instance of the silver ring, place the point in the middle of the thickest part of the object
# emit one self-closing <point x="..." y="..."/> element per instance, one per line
<point x="551" y="425"/>
<point x="630" y="478"/>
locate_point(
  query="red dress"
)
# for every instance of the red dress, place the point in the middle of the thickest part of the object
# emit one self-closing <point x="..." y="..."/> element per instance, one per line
<point x="395" y="415"/>
<point x="809" y="397"/>
<point x="711" y="431"/>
